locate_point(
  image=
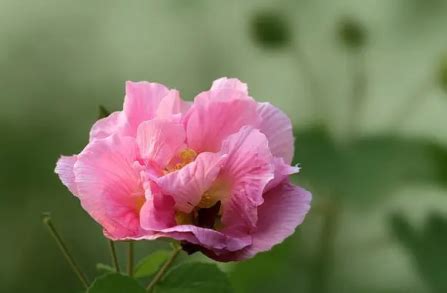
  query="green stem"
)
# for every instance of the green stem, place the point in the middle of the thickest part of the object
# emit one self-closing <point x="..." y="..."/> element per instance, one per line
<point x="324" y="260"/>
<point x="359" y="91"/>
<point x="130" y="253"/>
<point x="114" y="257"/>
<point x="46" y="219"/>
<point x="163" y="269"/>
<point x="412" y="104"/>
<point x="308" y="74"/>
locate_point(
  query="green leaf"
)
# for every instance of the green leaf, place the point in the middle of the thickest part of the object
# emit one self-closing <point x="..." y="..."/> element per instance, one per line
<point x="368" y="168"/>
<point x="195" y="278"/>
<point x="115" y="283"/>
<point x="426" y="247"/>
<point x="103" y="112"/>
<point x="104" y="268"/>
<point x="151" y="263"/>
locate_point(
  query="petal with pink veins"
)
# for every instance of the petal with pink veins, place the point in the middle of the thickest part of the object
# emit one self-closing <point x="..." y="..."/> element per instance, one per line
<point x="248" y="169"/>
<point x="109" y="125"/>
<point x="64" y="168"/>
<point x="159" y="140"/>
<point x="109" y="185"/>
<point x="158" y="210"/>
<point x="216" y="115"/>
<point x="210" y="239"/>
<point x="171" y="104"/>
<point x="188" y="184"/>
<point x="278" y="128"/>
<point x="230" y="83"/>
<point x="283" y="210"/>
<point x="141" y="102"/>
<point x="282" y="171"/>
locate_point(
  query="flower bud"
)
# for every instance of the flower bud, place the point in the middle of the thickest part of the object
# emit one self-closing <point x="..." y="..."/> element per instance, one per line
<point x="271" y="30"/>
<point x="351" y="34"/>
<point x="103" y="112"/>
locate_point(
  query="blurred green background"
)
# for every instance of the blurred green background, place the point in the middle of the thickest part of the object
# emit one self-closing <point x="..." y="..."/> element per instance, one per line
<point x="363" y="82"/>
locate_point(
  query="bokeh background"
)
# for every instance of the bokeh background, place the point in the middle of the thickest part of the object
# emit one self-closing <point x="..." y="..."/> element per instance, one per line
<point x="363" y="81"/>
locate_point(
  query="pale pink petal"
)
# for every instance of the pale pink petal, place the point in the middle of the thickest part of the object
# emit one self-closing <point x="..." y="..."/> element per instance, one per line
<point x="171" y="104"/>
<point x="278" y="129"/>
<point x="64" y="168"/>
<point x="141" y="102"/>
<point x="248" y="169"/>
<point x="159" y="140"/>
<point x="229" y="83"/>
<point x="107" y="126"/>
<point x="109" y="185"/>
<point x="282" y="171"/>
<point x="211" y="119"/>
<point x="188" y="184"/>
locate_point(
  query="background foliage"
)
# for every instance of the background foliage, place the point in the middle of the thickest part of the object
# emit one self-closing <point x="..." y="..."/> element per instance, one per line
<point x="363" y="81"/>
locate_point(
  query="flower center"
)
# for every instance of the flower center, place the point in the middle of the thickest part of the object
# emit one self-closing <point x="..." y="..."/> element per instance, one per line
<point x="185" y="157"/>
<point x="202" y="217"/>
<point x="208" y="211"/>
<point x="139" y="202"/>
<point x="217" y="192"/>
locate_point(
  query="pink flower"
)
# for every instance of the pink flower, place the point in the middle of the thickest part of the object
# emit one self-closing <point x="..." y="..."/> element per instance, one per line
<point x="213" y="174"/>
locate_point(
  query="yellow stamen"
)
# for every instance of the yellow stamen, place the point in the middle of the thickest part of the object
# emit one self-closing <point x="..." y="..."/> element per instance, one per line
<point x="208" y="200"/>
<point x="219" y="191"/>
<point x="187" y="156"/>
<point x="139" y="202"/>
<point x="183" y="218"/>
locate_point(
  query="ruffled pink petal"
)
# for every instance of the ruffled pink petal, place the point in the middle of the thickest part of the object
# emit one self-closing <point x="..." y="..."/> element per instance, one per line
<point x="283" y="210"/>
<point x="141" y="102"/>
<point x="278" y="129"/>
<point x="159" y="140"/>
<point x="109" y="186"/>
<point x="282" y="171"/>
<point x="171" y="104"/>
<point x="188" y="184"/>
<point x="216" y="115"/>
<point x="64" y="168"/>
<point x="207" y="238"/>
<point x="230" y="83"/>
<point x="114" y="123"/>
<point x="248" y="169"/>
<point x="158" y="211"/>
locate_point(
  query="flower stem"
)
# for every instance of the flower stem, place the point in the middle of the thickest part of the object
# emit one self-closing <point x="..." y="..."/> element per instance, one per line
<point x="114" y="257"/>
<point x="309" y="76"/>
<point x="130" y="253"/>
<point x="358" y="93"/>
<point x="46" y="219"/>
<point x="413" y="103"/>
<point x="164" y="268"/>
<point x="323" y="264"/>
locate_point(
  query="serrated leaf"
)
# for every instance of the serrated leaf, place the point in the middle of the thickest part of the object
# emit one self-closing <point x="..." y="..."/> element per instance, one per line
<point x="195" y="278"/>
<point x="151" y="263"/>
<point x="115" y="283"/>
<point x="104" y="268"/>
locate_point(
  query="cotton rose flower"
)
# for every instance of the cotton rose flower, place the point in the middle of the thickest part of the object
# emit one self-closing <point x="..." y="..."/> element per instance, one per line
<point x="212" y="173"/>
